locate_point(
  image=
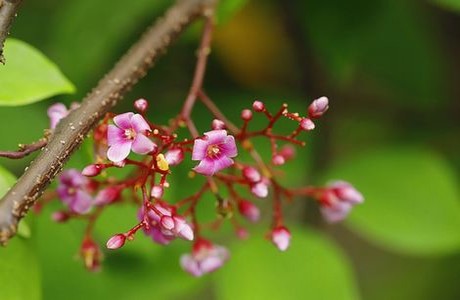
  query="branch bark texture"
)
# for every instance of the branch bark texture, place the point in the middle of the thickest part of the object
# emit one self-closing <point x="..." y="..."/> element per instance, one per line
<point x="8" y="10"/>
<point x="72" y="130"/>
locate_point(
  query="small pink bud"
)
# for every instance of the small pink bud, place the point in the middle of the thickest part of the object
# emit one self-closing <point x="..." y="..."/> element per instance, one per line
<point x="258" y="106"/>
<point x="141" y="105"/>
<point x="307" y="124"/>
<point x="287" y="151"/>
<point x="242" y="233"/>
<point x="91" y="254"/>
<point x="318" y="107"/>
<point x="217" y="124"/>
<point x="92" y="170"/>
<point x="249" y="210"/>
<point x="281" y="238"/>
<point x="157" y="192"/>
<point x="260" y="189"/>
<point x="116" y="241"/>
<point x="108" y="195"/>
<point x="278" y="160"/>
<point x="246" y="115"/>
<point x="251" y="174"/>
<point x="174" y="156"/>
<point x="60" y="216"/>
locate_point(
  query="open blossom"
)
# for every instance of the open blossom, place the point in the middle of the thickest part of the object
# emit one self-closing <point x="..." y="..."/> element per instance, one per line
<point x="73" y="190"/>
<point x="338" y="199"/>
<point x="205" y="258"/>
<point x="128" y="133"/>
<point x="214" y="152"/>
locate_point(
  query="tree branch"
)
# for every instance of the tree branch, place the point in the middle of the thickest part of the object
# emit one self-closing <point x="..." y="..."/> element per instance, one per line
<point x="8" y="10"/>
<point x="72" y="130"/>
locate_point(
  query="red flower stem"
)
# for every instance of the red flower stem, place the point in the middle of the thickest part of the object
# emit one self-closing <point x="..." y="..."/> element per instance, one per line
<point x="277" y="210"/>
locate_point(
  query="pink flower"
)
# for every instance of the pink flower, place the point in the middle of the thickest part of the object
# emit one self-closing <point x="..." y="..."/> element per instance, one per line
<point x="214" y="152"/>
<point x="73" y="190"/>
<point x="128" y="133"/>
<point x="205" y="258"/>
<point x="281" y="237"/>
<point x="337" y="200"/>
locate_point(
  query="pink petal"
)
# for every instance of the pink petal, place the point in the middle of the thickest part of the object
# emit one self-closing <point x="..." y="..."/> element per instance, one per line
<point x="260" y="189"/>
<point x="199" y="149"/>
<point x="142" y="144"/>
<point x="174" y="156"/>
<point x="115" y="135"/>
<point x="205" y="167"/>
<point x="81" y="203"/>
<point x="118" y="152"/>
<point x="190" y="265"/>
<point x="229" y="147"/>
<point x="56" y="112"/>
<point x="222" y="163"/>
<point x="210" y="264"/>
<point x="139" y="124"/>
<point x="124" y="120"/>
<point x="215" y="137"/>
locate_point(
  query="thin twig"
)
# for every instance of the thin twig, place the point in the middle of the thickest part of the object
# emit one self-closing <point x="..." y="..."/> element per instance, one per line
<point x="25" y="150"/>
<point x="72" y="130"/>
<point x="8" y="10"/>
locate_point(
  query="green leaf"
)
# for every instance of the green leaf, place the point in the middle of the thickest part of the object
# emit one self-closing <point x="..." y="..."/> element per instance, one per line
<point x="312" y="268"/>
<point x="412" y="200"/>
<point x="29" y="76"/>
<point x="448" y="4"/>
<point x="19" y="275"/>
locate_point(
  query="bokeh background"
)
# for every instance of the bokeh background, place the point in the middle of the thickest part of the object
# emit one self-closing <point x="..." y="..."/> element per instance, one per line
<point x="391" y="70"/>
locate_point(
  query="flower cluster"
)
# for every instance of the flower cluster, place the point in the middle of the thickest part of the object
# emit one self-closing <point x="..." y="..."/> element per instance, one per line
<point x="159" y="150"/>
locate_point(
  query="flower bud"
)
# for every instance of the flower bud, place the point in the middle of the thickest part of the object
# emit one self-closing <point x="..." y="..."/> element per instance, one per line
<point x="251" y="174"/>
<point x="258" y="106"/>
<point x="249" y="210"/>
<point x="287" y="151"/>
<point x="92" y="170"/>
<point x="318" y="107"/>
<point x="174" y="156"/>
<point x="281" y="238"/>
<point x="108" y="195"/>
<point x="307" y="124"/>
<point x="242" y="233"/>
<point x="91" y="254"/>
<point x="278" y="160"/>
<point x="60" y="216"/>
<point x="217" y="124"/>
<point x="157" y="192"/>
<point x="260" y="189"/>
<point x="246" y="115"/>
<point x="141" y="105"/>
<point x="116" y="241"/>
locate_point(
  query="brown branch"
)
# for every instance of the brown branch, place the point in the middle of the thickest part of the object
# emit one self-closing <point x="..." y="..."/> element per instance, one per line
<point x="72" y="130"/>
<point x="8" y="10"/>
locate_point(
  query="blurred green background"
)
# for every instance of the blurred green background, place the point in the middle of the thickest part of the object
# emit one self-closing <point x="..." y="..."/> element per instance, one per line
<point x="391" y="70"/>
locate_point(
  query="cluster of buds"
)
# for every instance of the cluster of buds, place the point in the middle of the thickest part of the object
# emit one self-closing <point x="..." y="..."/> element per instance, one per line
<point x="215" y="153"/>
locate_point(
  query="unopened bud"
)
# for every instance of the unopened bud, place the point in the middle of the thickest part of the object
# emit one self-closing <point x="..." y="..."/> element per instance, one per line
<point x="141" y="105"/>
<point x="246" y="115"/>
<point x="249" y="210"/>
<point x="251" y="174"/>
<point x="217" y="124"/>
<point x="60" y="216"/>
<point x="307" y="124"/>
<point x="258" y="106"/>
<point x="92" y="170"/>
<point x="281" y="238"/>
<point x="116" y="241"/>
<point x="278" y="160"/>
<point x="318" y="107"/>
<point x="174" y="156"/>
<point x="157" y="192"/>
